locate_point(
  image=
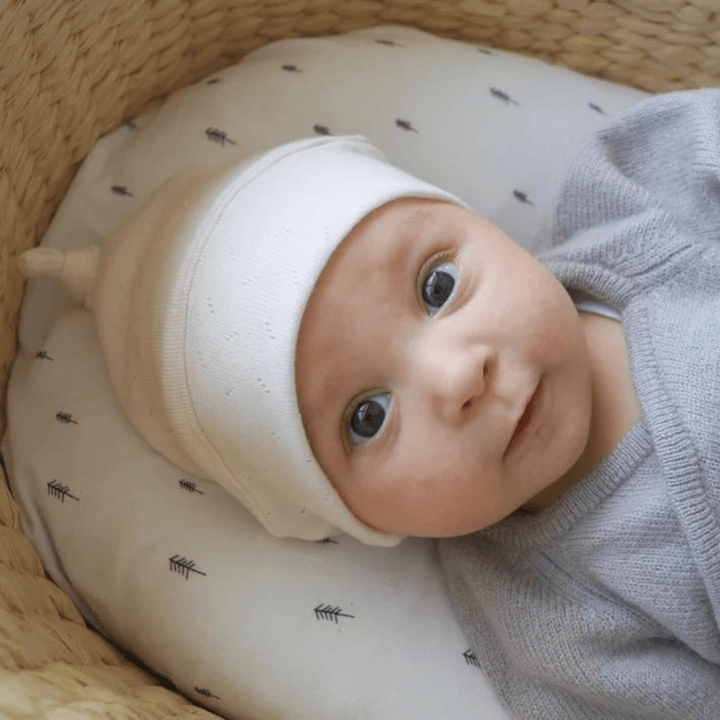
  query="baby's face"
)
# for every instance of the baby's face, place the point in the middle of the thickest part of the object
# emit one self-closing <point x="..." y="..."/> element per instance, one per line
<point x="442" y="373"/>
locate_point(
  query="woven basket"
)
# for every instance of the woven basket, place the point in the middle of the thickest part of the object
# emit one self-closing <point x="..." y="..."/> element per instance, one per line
<point x="71" y="70"/>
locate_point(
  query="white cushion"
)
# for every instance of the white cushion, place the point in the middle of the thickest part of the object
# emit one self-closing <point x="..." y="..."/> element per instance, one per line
<point x="170" y="566"/>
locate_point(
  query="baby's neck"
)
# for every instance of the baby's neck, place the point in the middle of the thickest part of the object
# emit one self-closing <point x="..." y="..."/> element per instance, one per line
<point x="615" y="408"/>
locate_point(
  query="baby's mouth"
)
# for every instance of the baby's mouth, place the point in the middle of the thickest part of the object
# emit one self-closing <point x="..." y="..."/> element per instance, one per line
<point x="525" y="419"/>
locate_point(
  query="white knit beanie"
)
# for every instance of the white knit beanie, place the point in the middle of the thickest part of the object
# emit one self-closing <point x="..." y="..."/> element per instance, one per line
<point x="198" y="301"/>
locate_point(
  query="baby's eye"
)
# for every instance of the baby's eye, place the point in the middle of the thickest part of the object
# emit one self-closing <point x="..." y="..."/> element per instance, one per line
<point x="438" y="285"/>
<point x="367" y="418"/>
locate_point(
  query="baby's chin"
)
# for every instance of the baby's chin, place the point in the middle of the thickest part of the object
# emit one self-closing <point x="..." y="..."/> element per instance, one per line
<point x="571" y="467"/>
<point x="466" y="518"/>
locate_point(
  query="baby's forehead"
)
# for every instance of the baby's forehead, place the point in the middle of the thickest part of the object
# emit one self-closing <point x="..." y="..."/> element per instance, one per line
<point x="391" y="236"/>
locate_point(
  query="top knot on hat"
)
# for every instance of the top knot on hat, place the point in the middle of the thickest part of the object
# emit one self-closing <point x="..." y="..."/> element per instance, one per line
<point x="76" y="269"/>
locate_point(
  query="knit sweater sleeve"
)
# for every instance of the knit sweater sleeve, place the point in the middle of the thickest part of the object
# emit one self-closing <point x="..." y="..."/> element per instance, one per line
<point x="661" y="155"/>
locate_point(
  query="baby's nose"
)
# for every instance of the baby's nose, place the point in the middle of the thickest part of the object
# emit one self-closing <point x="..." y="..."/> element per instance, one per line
<point x="456" y="379"/>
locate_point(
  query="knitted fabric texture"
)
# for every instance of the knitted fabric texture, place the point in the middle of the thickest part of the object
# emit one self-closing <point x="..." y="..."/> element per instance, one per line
<point x="605" y="604"/>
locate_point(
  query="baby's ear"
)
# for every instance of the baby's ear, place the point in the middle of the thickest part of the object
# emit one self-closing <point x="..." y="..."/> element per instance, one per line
<point x="75" y="269"/>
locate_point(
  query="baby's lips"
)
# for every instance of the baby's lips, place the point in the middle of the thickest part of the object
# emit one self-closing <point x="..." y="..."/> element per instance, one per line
<point x="525" y="417"/>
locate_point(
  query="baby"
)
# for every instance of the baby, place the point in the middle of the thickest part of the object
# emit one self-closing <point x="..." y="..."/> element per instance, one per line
<point x="345" y="347"/>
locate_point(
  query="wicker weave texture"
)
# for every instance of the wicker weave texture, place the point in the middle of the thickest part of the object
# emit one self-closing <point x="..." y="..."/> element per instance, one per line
<point x="71" y="70"/>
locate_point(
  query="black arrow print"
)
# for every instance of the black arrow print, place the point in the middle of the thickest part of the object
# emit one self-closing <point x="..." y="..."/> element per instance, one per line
<point x="60" y="491"/>
<point x="501" y="95"/>
<point x="190" y="486"/>
<point x="522" y="197"/>
<point x="471" y="658"/>
<point x="405" y="124"/>
<point x="42" y="355"/>
<point x="66" y="418"/>
<point x="205" y="693"/>
<point x="328" y="612"/>
<point x="218" y="136"/>
<point x="184" y="567"/>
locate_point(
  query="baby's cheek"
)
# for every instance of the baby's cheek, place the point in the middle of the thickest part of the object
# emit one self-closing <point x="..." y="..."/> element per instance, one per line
<point x="561" y="339"/>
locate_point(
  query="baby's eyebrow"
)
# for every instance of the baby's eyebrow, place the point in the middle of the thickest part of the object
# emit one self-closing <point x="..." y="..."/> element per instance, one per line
<point x="322" y="379"/>
<point x="404" y="254"/>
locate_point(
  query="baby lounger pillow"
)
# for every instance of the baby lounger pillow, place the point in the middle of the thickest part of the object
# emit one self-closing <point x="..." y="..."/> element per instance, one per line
<point x="170" y="566"/>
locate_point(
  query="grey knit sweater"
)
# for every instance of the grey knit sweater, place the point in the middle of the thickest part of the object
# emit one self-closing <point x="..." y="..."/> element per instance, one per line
<point x="606" y="604"/>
